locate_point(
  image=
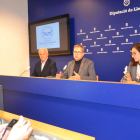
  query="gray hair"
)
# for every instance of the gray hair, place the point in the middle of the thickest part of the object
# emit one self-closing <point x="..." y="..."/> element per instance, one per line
<point x="43" y="49"/>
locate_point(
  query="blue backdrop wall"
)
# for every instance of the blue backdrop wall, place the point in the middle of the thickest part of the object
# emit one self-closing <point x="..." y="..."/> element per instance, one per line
<point x="106" y="28"/>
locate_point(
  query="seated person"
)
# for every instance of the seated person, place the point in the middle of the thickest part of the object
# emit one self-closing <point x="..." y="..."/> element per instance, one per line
<point x="45" y="67"/>
<point x="80" y="68"/>
<point x="133" y="72"/>
<point x="20" y="130"/>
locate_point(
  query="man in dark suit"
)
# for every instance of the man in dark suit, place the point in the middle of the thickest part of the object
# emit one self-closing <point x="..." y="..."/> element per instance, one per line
<point x="80" y="68"/>
<point x="45" y="67"/>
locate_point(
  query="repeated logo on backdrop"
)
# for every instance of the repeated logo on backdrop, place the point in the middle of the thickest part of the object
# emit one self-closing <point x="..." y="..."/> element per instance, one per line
<point x="118" y="37"/>
<point x="110" y="42"/>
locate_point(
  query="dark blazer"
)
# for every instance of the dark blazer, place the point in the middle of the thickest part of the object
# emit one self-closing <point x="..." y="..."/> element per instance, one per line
<point x="86" y="70"/>
<point x="48" y="70"/>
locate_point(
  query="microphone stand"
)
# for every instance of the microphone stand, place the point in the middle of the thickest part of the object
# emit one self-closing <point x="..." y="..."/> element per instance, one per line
<point x="25" y="71"/>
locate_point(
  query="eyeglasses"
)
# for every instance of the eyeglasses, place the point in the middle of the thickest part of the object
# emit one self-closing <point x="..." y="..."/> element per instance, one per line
<point x="133" y="54"/>
<point x="77" y="52"/>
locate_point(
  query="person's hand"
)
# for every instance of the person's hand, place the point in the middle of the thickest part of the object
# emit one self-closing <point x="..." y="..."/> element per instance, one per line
<point x="20" y="130"/>
<point x="6" y="135"/>
<point x="128" y="77"/>
<point x="75" y="77"/>
<point x="59" y="75"/>
<point x="2" y="129"/>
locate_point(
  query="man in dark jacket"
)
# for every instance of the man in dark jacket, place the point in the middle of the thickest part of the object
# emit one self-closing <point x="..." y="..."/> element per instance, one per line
<point x="45" y="67"/>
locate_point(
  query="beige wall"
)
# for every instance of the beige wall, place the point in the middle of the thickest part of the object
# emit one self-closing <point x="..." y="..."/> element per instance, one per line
<point x="14" y="46"/>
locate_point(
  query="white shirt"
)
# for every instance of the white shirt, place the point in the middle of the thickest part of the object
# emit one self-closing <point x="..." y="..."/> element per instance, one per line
<point x="138" y="71"/>
<point x="43" y="64"/>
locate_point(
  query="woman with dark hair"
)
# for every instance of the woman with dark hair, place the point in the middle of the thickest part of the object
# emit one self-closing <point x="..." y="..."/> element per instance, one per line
<point x="133" y="71"/>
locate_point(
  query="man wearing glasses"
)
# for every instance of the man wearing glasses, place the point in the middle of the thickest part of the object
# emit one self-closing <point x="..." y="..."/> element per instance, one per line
<point x="80" y="68"/>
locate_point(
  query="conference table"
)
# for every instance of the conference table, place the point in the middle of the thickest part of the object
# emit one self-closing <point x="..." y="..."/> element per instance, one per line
<point x="104" y="110"/>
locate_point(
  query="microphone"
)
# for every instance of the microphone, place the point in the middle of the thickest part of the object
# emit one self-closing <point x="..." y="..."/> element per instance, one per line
<point x="64" y="68"/>
<point x="25" y="70"/>
<point x="125" y="69"/>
